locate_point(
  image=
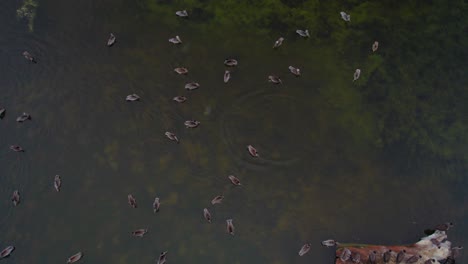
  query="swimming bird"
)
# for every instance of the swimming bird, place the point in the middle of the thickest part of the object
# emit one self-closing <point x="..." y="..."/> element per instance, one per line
<point x="2" y="113"/>
<point x="75" y="258"/>
<point x="329" y="243"/>
<point x="357" y="74"/>
<point x="304" y="249"/>
<point x="303" y="33"/>
<point x="15" y="198"/>
<point x="162" y="257"/>
<point x="175" y="40"/>
<point x="252" y="151"/>
<point x="132" y="201"/>
<point x="57" y="183"/>
<point x="345" y="16"/>
<point x="180" y="99"/>
<point x="132" y="98"/>
<point x="181" y="70"/>
<point x="6" y="252"/>
<point x="156" y="205"/>
<point x="207" y="215"/>
<point x="375" y="46"/>
<point x="16" y="148"/>
<point x="278" y="43"/>
<point x="182" y="13"/>
<point x="234" y="180"/>
<point x="192" y="86"/>
<point x="230" y="226"/>
<point x="227" y="76"/>
<point x="217" y="200"/>
<point x="29" y="57"/>
<point x="274" y="79"/>
<point x="23" y="117"/>
<point x="230" y="62"/>
<point x="111" y="40"/>
<point x="171" y="136"/>
<point x="140" y="232"/>
<point x="295" y="71"/>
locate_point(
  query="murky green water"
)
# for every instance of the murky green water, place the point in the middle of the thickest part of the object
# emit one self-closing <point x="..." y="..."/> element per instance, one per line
<point x="369" y="162"/>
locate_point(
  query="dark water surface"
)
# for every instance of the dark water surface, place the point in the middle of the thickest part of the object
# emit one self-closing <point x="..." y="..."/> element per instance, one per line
<point x="322" y="172"/>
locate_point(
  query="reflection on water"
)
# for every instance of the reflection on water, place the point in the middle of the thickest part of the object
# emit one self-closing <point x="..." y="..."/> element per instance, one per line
<point x="319" y="175"/>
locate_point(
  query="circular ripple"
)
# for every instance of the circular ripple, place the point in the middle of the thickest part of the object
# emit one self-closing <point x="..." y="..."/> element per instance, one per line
<point x="269" y="120"/>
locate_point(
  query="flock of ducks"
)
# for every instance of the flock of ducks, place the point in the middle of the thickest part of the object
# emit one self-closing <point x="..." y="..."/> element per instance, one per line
<point x="346" y="255"/>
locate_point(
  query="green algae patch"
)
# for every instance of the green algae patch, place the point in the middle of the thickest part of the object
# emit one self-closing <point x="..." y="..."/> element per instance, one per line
<point x="27" y="11"/>
<point x="410" y="90"/>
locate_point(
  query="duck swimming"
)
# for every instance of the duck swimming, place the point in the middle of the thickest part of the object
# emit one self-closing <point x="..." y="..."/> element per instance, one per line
<point x="274" y="79"/>
<point x="16" y="148"/>
<point x="375" y="46"/>
<point x="207" y="215"/>
<point x="278" y="43"/>
<point x="227" y="76"/>
<point x="180" y="99"/>
<point x="175" y="40"/>
<point x="230" y="62"/>
<point x="182" y="13"/>
<point x="230" y="226"/>
<point x="57" y="183"/>
<point x="132" y="98"/>
<point x="29" y="57"/>
<point x="111" y="40"/>
<point x="6" y="252"/>
<point x="15" y="198"/>
<point x="75" y="258"/>
<point x="329" y="243"/>
<point x="191" y="123"/>
<point x="156" y="205"/>
<point x="181" y="70"/>
<point x="217" y="200"/>
<point x="132" y="201"/>
<point x="162" y="258"/>
<point x="234" y="180"/>
<point x="345" y="16"/>
<point x="252" y="151"/>
<point x="2" y="113"/>
<point x="140" y="232"/>
<point x="171" y="136"/>
<point x="303" y="33"/>
<point x="357" y="74"/>
<point x="192" y="86"/>
<point x="23" y="117"/>
<point x="295" y="71"/>
<point x="304" y="249"/>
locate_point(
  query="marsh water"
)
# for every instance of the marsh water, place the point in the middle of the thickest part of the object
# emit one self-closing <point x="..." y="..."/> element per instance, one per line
<point x="328" y="165"/>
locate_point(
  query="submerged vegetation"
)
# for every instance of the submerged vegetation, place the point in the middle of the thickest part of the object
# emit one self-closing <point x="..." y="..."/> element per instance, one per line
<point x="27" y="11"/>
<point x="414" y="85"/>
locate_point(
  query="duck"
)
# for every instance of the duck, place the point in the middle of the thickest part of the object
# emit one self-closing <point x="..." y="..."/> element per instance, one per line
<point x="175" y="40"/>
<point x="182" y="13"/>
<point x="111" y="40"/>
<point x="303" y="33"/>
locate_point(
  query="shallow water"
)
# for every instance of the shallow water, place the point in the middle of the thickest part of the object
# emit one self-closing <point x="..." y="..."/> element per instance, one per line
<point x="320" y="173"/>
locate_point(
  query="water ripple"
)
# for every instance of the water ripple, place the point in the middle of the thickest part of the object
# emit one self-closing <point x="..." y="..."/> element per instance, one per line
<point x="259" y="118"/>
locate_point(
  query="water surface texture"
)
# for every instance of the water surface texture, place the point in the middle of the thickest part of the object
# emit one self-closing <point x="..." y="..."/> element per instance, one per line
<point x="373" y="161"/>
